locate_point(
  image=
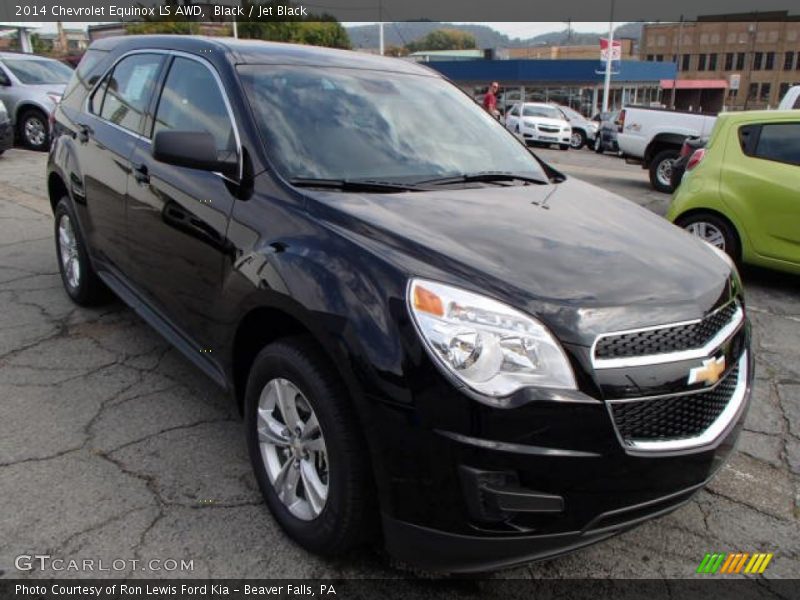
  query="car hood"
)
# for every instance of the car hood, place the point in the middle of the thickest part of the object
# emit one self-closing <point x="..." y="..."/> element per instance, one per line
<point x="546" y="121"/>
<point x="584" y="260"/>
<point x="47" y="88"/>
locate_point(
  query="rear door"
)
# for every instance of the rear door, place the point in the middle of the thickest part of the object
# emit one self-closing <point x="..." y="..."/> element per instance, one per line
<point x="178" y="216"/>
<point x="760" y="180"/>
<point x="107" y="132"/>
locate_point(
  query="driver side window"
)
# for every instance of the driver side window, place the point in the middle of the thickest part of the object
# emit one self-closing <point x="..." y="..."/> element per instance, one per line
<point x="192" y="101"/>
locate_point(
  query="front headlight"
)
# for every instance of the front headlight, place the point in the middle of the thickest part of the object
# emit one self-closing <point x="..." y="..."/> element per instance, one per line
<point x="493" y="348"/>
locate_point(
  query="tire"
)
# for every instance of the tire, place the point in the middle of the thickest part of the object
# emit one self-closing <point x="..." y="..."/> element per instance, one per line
<point x="598" y="144"/>
<point x="705" y="224"/>
<point x="578" y="139"/>
<point x="563" y="146"/>
<point x="33" y="130"/>
<point x="77" y="274"/>
<point x="346" y="517"/>
<point x="661" y="171"/>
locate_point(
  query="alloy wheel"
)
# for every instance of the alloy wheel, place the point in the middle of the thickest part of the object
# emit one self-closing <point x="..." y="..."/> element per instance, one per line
<point x="35" y="132"/>
<point x="68" y="247"/>
<point x="708" y="232"/>
<point x="293" y="449"/>
<point x="664" y="172"/>
<point x="575" y="140"/>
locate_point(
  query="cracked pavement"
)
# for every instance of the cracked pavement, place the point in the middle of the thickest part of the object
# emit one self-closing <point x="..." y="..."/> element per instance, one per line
<point x="114" y="446"/>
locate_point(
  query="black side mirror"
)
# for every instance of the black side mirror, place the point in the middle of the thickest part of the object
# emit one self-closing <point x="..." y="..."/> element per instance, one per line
<point x="4" y="81"/>
<point x="193" y="149"/>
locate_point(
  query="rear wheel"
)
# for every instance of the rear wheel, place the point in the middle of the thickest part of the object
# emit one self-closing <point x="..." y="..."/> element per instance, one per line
<point x="578" y="139"/>
<point x="661" y="171"/>
<point x="77" y="274"/>
<point x="713" y="229"/>
<point x="308" y="455"/>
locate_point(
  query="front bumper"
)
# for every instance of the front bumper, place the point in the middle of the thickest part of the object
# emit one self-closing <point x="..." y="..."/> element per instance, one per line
<point x="545" y="137"/>
<point x="497" y="487"/>
<point x="6" y="136"/>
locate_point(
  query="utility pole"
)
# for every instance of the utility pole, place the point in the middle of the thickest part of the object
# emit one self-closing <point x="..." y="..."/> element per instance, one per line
<point x="677" y="63"/>
<point x="235" y="29"/>
<point x="609" y="56"/>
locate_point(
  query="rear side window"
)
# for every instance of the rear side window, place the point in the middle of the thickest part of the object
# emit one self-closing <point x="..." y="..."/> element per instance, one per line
<point x="774" y="141"/>
<point x="192" y="101"/>
<point x="797" y="101"/>
<point x="123" y="96"/>
<point x="87" y="73"/>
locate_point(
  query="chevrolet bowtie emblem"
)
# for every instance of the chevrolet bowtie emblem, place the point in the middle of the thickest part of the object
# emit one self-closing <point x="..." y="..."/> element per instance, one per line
<point x="709" y="373"/>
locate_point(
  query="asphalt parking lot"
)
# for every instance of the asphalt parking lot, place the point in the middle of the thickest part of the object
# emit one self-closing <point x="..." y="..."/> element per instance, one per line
<point x="113" y="446"/>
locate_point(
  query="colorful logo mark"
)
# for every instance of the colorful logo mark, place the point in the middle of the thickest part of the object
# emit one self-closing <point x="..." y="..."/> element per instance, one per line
<point x="734" y="562"/>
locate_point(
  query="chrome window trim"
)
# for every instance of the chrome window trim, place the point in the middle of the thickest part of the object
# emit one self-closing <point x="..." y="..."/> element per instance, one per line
<point x="179" y="53"/>
<point x="710" y="435"/>
<point x="657" y="359"/>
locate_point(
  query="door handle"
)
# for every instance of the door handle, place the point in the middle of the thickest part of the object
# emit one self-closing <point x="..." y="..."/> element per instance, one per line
<point x="140" y="174"/>
<point x="84" y="131"/>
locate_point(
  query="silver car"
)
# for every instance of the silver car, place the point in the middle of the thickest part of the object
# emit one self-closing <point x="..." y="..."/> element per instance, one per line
<point x="6" y="131"/>
<point x="30" y="87"/>
<point x="583" y="130"/>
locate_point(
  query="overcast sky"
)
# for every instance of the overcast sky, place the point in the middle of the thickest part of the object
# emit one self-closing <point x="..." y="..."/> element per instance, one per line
<point x="512" y="30"/>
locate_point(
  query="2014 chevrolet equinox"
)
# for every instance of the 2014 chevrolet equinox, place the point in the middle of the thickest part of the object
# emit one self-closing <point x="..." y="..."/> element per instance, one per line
<point x="433" y="335"/>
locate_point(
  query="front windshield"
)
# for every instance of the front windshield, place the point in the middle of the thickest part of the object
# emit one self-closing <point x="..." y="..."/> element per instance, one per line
<point x="361" y="124"/>
<point x="37" y="71"/>
<point x="571" y="114"/>
<point x="548" y="112"/>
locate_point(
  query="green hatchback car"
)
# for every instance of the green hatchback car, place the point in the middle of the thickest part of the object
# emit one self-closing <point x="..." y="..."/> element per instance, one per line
<point x="741" y="193"/>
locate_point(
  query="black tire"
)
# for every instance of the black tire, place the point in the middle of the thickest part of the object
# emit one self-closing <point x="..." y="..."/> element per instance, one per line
<point x="581" y="136"/>
<point x="348" y="517"/>
<point x="598" y="144"/>
<point x="38" y="119"/>
<point x="89" y="290"/>
<point x="732" y="247"/>
<point x="660" y="173"/>
<point x="563" y="146"/>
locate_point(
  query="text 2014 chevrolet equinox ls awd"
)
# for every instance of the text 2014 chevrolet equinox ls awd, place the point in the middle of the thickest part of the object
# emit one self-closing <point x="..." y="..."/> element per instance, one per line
<point x="434" y="337"/>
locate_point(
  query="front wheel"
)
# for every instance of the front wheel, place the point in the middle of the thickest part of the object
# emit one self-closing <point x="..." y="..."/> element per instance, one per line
<point x="713" y="229"/>
<point x="577" y="140"/>
<point x="598" y="144"/>
<point x="661" y="171"/>
<point x="308" y="454"/>
<point x="33" y="130"/>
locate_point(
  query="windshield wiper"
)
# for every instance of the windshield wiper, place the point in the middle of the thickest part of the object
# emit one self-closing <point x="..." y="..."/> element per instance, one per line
<point x="354" y="185"/>
<point x="483" y="176"/>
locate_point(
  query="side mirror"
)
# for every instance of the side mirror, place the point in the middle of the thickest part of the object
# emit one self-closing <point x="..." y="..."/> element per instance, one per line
<point x="193" y="149"/>
<point x="4" y="81"/>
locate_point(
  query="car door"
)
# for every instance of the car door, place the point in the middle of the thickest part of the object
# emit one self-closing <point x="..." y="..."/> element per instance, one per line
<point x="512" y="120"/>
<point x="178" y="216"/>
<point x="107" y="131"/>
<point x="760" y="179"/>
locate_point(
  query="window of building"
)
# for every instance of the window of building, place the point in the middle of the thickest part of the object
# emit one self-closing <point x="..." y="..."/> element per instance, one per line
<point x="788" y="60"/>
<point x="729" y="61"/>
<point x="686" y="62"/>
<point x="733" y="93"/>
<point x="758" y="59"/>
<point x="752" y="92"/>
<point x="772" y="36"/>
<point x="661" y="40"/>
<point x="739" y="61"/>
<point x="701" y="62"/>
<point x="650" y="57"/>
<point x="770" y="61"/>
<point x="766" y="88"/>
<point x="784" y="87"/>
<point x="712" y="62"/>
<point x="797" y="62"/>
<point x="715" y="38"/>
<point x="659" y="58"/>
<point x="704" y="38"/>
<point x="731" y="39"/>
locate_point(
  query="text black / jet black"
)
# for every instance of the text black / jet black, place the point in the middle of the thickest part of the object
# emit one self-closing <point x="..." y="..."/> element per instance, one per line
<point x="432" y="335"/>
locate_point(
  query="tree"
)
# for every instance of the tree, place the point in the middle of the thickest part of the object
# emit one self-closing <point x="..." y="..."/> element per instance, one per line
<point x="444" y="39"/>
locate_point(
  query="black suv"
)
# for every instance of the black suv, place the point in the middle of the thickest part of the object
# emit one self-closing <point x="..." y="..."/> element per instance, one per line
<point x="434" y="337"/>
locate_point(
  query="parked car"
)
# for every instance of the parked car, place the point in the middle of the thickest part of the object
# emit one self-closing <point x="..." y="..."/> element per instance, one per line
<point x="791" y="101"/>
<point x="539" y="123"/>
<point x="740" y="192"/>
<point x="653" y="137"/>
<point x="31" y="86"/>
<point x="679" y="164"/>
<point x="583" y="129"/>
<point x="6" y="129"/>
<point x="606" y="138"/>
<point x="433" y="335"/>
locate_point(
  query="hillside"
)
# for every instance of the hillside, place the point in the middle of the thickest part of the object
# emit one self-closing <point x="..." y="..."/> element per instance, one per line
<point x="399" y="34"/>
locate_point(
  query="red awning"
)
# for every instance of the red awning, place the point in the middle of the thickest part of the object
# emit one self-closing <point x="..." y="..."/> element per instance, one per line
<point x="695" y="84"/>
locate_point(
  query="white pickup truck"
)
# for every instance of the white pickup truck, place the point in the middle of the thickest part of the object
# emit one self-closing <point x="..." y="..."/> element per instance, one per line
<point x="653" y="137"/>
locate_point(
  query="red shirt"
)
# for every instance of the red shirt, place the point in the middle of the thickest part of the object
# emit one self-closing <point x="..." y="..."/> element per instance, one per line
<point x="490" y="102"/>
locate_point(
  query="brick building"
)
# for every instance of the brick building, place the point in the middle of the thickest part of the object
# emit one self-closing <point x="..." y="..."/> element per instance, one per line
<point x="751" y="60"/>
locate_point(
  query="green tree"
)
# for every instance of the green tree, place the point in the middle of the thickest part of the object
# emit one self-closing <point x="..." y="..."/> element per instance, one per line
<point x="39" y="45"/>
<point x="444" y="39"/>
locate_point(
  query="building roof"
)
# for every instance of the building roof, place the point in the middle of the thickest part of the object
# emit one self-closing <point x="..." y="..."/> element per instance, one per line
<point x="694" y="84"/>
<point x="544" y="70"/>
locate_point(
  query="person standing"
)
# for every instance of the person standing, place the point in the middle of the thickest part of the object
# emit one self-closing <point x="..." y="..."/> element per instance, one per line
<point x="490" y="100"/>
